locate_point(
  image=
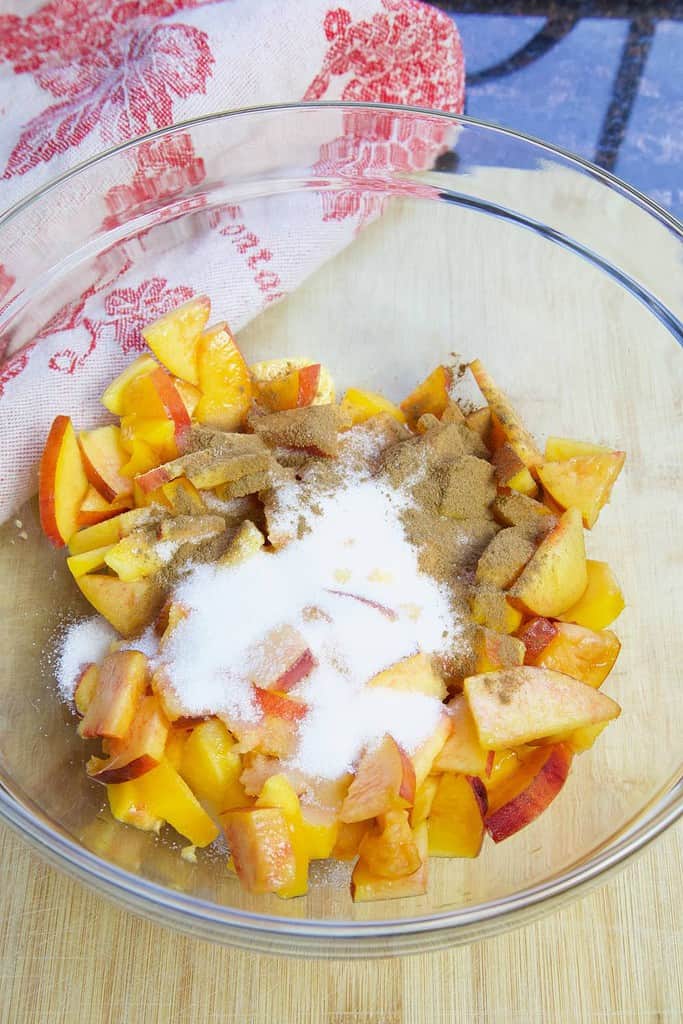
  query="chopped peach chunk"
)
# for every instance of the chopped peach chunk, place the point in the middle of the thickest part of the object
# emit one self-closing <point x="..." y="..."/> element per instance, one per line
<point x="584" y="482"/>
<point x="384" y="780"/>
<point x="431" y="396"/>
<point x="456" y="820"/>
<point x="362" y="405"/>
<point x="556" y="576"/>
<point x="528" y="791"/>
<point x="62" y="483"/>
<point x="516" y="434"/>
<point x="224" y="380"/>
<point x="260" y="842"/>
<point x="601" y="601"/>
<point x="174" y="337"/>
<point x="365" y="885"/>
<point x="120" y="687"/>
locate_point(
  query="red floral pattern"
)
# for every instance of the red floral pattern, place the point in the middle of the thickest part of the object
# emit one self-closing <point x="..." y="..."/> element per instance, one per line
<point x="113" y="67"/>
<point x="409" y="55"/>
<point x="131" y="308"/>
<point x="163" y="168"/>
<point x="14" y="366"/>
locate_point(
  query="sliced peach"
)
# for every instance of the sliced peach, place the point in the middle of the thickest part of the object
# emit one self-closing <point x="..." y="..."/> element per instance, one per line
<point x="320" y="831"/>
<point x="129" y="607"/>
<point x="431" y="396"/>
<point x="515" y="705"/>
<point x="580" y="740"/>
<point x="142" y="748"/>
<point x="511" y="471"/>
<point x="527" y="792"/>
<point x="174" y="337"/>
<point x="96" y="509"/>
<point x="360" y="406"/>
<point x="175" y="745"/>
<point x="388" y="848"/>
<point x="349" y="838"/>
<point x="154" y="396"/>
<point x="183" y="498"/>
<point x="279" y="792"/>
<point x="189" y="394"/>
<point x="415" y="674"/>
<point x="121" y="684"/>
<point x="490" y="607"/>
<point x="365" y="885"/>
<point x="462" y="752"/>
<point x="246" y="541"/>
<point x="296" y="388"/>
<point x="455" y="825"/>
<point x="169" y="797"/>
<point x="142" y="459"/>
<point x="584" y="482"/>
<point x="224" y="380"/>
<point x="210" y="764"/>
<point x="579" y="652"/>
<point x="426" y="754"/>
<point x="601" y="601"/>
<point x="279" y="705"/>
<point x="556" y="576"/>
<point x="85" y="688"/>
<point x="134" y="557"/>
<point x="384" y="780"/>
<point x="284" y="659"/>
<point x="86" y="562"/>
<point x="424" y="797"/>
<point x="112" y="399"/>
<point x="557" y="449"/>
<point x="481" y="422"/>
<point x="496" y="650"/>
<point x="109" y="532"/>
<point x="140" y="434"/>
<point x="103" y="458"/>
<point x="127" y="805"/>
<point x="504" y="557"/>
<point x="62" y="483"/>
<point x="516" y="434"/>
<point x="261" y="846"/>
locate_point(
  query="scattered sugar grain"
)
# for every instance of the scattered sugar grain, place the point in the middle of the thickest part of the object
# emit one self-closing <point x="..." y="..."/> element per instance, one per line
<point x="85" y="641"/>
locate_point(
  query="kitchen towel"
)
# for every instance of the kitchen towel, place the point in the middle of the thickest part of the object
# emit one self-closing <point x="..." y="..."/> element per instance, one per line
<point x="78" y="77"/>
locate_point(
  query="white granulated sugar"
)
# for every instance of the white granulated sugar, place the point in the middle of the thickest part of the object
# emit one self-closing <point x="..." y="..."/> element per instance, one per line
<point x="385" y="610"/>
<point x="166" y="549"/>
<point x="83" y="642"/>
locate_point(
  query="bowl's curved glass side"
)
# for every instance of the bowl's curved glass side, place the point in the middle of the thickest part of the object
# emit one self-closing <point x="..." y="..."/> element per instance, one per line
<point x="579" y="353"/>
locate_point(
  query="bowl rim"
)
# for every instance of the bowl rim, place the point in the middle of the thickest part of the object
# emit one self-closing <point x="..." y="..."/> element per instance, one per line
<point x="26" y="818"/>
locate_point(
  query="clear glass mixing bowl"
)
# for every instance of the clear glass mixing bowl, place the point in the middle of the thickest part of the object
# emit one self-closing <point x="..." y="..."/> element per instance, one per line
<point x="564" y="280"/>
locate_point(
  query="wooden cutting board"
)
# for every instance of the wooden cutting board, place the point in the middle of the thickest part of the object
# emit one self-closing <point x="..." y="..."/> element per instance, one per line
<point x="66" y="955"/>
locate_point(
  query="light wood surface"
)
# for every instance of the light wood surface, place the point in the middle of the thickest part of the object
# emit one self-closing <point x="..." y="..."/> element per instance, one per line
<point x="66" y="955"/>
<point x="617" y="954"/>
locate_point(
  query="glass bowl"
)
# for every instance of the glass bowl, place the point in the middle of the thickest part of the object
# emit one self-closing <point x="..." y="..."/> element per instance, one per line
<point x="379" y="240"/>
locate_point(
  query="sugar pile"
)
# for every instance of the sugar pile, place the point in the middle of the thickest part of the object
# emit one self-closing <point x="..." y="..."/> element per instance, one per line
<point x="81" y="643"/>
<point x="351" y="588"/>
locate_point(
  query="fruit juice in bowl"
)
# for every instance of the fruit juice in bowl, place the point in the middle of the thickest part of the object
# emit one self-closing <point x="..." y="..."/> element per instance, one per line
<point x="317" y="618"/>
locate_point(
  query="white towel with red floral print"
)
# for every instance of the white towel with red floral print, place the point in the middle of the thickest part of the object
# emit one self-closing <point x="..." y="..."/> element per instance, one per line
<point x="78" y="76"/>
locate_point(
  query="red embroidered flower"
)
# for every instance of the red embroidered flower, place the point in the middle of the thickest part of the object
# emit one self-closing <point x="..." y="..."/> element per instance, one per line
<point x="132" y="308"/>
<point x="163" y="168"/>
<point x="114" y="67"/>
<point x="409" y="55"/>
<point x="15" y="365"/>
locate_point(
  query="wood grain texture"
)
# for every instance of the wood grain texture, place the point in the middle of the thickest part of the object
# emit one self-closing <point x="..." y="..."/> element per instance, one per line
<point x="66" y="955"/>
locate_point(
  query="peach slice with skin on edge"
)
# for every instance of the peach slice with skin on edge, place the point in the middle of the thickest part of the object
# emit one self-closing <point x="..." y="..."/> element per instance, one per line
<point x="528" y="791"/>
<point x="293" y="390"/>
<point x="103" y="458"/>
<point x="139" y="751"/>
<point x="582" y="653"/>
<point x="95" y="509"/>
<point x="506" y="417"/>
<point x="260" y="843"/>
<point x="174" y="337"/>
<point x="556" y="576"/>
<point x="111" y="530"/>
<point x="601" y="601"/>
<point x="426" y="754"/>
<point x="584" y="482"/>
<point x="85" y="688"/>
<point x="431" y="396"/>
<point x="517" y="705"/>
<point x="224" y="380"/>
<point x="121" y="684"/>
<point x="384" y="781"/>
<point x="62" y="483"/>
